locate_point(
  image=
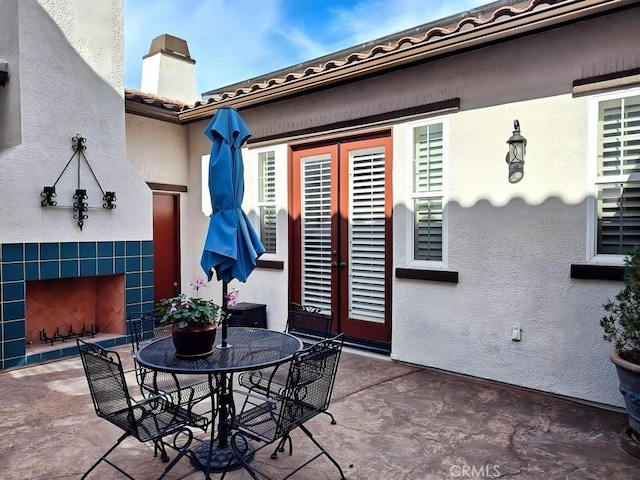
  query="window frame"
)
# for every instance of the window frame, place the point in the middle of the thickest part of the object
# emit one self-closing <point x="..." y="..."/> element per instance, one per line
<point x="411" y="195"/>
<point x="594" y="180"/>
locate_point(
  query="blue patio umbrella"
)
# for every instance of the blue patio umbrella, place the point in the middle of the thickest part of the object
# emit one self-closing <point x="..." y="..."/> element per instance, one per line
<point x="232" y="245"/>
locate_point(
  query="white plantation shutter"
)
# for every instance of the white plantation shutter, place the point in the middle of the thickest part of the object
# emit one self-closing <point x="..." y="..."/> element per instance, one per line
<point x="427" y="236"/>
<point x="427" y="192"/>
<point x="367" y="235"/>
<point x="267" y="199"/>
<point x="618" y="175"/>
<point x="316" y="231"/>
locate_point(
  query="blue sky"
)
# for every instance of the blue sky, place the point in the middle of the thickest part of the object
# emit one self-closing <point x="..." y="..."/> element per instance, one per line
<point x="234" y="40"/>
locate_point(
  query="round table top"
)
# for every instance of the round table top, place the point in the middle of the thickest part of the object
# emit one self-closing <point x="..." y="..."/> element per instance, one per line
<point x="250" y="349"/>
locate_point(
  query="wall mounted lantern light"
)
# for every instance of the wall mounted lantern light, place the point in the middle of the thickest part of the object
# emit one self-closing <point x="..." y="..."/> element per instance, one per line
<point x="80" y="206"/>
<point x="515" y="157"/>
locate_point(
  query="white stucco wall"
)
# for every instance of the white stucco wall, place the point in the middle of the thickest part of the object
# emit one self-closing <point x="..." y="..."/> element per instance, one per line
<point x="70" y="74"/>
<point x="158" y="150"/>
<point x="512" y="244"/>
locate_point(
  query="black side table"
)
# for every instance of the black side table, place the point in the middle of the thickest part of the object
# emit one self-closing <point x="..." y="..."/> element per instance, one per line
<point x="248" y="315"/>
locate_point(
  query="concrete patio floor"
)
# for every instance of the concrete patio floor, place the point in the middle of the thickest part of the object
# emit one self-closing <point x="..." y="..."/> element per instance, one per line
<point x="395" y="421"/>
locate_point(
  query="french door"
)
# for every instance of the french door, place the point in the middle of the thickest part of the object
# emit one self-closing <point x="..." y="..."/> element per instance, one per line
<point x="341" y="234"/>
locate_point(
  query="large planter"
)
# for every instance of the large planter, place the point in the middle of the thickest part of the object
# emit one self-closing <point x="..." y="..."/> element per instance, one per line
<point x="194" y="341"/>
<point x="629" y="376"/>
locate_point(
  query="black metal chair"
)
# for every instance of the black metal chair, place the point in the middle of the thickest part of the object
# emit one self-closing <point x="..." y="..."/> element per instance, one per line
<point x="151" y="419"/>
<point x="186" y="390"/>
<point x="304" y="321"/>
<point x="309" y="323"/>
<point x="307" y="393"/>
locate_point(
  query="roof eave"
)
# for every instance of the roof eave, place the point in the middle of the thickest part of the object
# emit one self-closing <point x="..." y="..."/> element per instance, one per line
<point x="151" y="111"/>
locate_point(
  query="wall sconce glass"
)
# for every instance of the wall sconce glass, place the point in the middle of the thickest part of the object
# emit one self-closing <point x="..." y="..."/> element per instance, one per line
<point x="515" y="157"/>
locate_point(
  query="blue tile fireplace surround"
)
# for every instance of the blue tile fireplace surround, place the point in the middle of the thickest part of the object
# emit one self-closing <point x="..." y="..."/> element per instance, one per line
<point x="23" y="262"/>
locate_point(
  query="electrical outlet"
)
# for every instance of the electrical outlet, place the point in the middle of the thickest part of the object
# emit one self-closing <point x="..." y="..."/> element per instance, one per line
<point x="516" y="334"/>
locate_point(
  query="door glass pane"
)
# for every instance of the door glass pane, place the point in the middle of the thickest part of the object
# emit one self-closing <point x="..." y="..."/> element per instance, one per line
<point x="316" y="231"/>
<point x="367" y="234"/>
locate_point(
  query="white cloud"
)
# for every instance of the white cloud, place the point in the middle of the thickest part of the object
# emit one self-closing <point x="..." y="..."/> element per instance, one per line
<point x="372" y="19"/>
<point x="235" y="40"/>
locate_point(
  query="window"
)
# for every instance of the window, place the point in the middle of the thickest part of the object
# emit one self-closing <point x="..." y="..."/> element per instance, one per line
<point x="617" y="182"/>
<point x="267" y="199"/>
<point x="427" y="196"/>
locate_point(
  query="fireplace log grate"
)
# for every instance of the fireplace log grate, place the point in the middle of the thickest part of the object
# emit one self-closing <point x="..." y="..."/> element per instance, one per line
<point x="92" y="331"/>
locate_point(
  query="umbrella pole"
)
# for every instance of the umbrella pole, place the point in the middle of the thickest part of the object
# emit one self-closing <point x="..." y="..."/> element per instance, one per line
<point x="225" y="319"/>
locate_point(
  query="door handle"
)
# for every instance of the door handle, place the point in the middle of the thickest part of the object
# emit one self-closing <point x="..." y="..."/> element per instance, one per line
<point x="336" y="264"/>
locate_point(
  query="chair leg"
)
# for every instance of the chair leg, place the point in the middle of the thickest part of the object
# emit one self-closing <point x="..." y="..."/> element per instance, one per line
<point x="182" y="451"/>
<point x="333" y="420"/>
<point x="240" y="456"/>
<point x="324" y="451"/>
<point x="103" y="458"/>
<point x="158" y="446"/>
<point x="280" y="447"/>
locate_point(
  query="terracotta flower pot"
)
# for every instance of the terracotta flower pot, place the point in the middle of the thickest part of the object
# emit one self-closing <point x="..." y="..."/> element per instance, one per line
<point x="193" y="341"/>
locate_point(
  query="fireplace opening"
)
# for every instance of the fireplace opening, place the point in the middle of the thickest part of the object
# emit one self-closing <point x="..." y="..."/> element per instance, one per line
<point x="71" y="307"/>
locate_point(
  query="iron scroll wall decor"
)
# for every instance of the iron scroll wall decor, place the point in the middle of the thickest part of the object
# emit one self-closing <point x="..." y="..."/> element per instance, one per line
<point x="80" y="206"/>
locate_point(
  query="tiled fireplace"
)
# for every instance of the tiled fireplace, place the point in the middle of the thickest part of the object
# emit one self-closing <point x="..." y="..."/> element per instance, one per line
<point x="101" y="283"/>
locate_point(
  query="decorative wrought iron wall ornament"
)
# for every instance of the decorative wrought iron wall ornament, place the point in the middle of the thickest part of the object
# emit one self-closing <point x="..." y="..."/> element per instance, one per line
<point x="80" y="206"/>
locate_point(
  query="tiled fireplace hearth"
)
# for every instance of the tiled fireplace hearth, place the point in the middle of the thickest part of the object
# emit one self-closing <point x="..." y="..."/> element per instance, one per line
<point x="120" y="271"/>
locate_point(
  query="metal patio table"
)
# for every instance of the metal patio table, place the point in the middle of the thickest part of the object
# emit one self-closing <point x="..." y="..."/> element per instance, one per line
<point x="247" y="349"/>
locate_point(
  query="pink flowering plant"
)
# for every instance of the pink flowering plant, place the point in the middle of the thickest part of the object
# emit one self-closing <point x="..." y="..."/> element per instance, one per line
<point x="183" y="311"/>
<point x="232" y="298"/>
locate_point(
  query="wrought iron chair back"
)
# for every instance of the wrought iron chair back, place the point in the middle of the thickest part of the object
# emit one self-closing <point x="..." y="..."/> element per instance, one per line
<point x="307" y="393"/>
<point x="107" y="384"/>
<point x="310" y="382"/>
<point x="150" y="419"/>
<point x="144" y="329"/>
<point x="185" y="389"/>
<point x="309" y="321"/>
<point x="306" y="321"/>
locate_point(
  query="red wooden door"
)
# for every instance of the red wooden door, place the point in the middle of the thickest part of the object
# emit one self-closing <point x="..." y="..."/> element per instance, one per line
<point x="166" y="245"/>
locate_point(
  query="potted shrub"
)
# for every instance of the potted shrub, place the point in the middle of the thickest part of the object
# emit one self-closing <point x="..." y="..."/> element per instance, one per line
<point x="621" y="326"/>
<point x="193" y="321"/>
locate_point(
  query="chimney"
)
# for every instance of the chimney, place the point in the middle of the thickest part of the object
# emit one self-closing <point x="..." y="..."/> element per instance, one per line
<point x="168" y="70"/>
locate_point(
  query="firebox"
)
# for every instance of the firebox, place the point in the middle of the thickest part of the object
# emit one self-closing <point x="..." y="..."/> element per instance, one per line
<point x="53" y="292"/>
